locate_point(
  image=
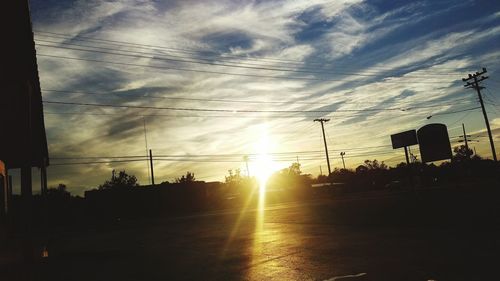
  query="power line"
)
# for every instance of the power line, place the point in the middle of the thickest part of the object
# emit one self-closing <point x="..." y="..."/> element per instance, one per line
<point x="239" y="155"/>
<point x="204" y="63"/>
<point x="189" y="70"/>
<point x="453" y="112"/>
<point x="225" y="58"/>
<point x="190" y="60"/>
<point x="233" y="116"/>
<point x="460" y="119"/>
<point x="136" y="45"/>
<point x="492" y="99"/>
<point x="210" y="59"/>
<point x="191" y="99"/>
<point x="357" y="112"/>
<point x="467" y="99"/>
<point x="142" y="157"/>
<point x="97" y="162"/>
<point x="266" y="117"/>
<point x="222" y="158"/>
<point x="187" y="116"/>
<point x="288" y="159"/>
<point x="186" y="51"/>
<point x="225" y="73"/>
<point x="437" y="105"/>
<point x="219" y="110"/>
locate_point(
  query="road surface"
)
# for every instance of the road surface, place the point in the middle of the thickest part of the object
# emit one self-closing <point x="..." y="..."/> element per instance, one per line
<point x="380" y="236"/>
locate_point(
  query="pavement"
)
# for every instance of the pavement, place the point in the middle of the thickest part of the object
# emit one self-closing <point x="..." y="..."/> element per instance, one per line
<point x="449" y="235"/>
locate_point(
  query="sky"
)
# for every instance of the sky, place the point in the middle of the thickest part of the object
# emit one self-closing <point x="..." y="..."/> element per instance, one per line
<point x="207" y="82"/>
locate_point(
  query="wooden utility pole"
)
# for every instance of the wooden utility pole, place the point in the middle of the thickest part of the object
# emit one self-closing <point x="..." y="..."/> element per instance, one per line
<point x="322" y="120"/>
<point x="147" y="149"/>
<point x="407" y="157"/>
<point x="473" y="83"/>
<point x="152" y="170"/>
<point x="465" y="141"/>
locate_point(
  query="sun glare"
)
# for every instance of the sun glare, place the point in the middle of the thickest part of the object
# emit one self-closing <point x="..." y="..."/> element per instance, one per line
<point x="263" y="165"/>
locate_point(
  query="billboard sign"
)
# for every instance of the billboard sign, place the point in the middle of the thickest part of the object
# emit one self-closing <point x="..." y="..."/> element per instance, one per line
<point x="434" y="143"/>
<point x="403" y="139"/>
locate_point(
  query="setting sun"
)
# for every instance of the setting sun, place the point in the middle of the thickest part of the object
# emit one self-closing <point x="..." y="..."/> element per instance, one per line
<point x="263" y="165"/>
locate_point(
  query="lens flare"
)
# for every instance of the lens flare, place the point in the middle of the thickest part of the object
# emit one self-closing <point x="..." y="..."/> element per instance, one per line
<point x="263" y="165"/>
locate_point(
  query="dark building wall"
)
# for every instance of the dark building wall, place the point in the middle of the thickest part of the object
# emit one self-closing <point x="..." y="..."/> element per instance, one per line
<point x="23" y="139"/>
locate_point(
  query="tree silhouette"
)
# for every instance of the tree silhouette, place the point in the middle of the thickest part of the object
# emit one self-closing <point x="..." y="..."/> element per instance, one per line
<point x="122" y="181"/>
<point x="375" y="165"/>
<point x="343" y="175"/>
<point x="234" y="178"/>
<point x="462" y="153"/>
<point x="289" y="178"/>
<point x="188" y="178"/>
<point x="361" y="169"/>
<point x="59" y="191"/>
<point x="294" y="169"/>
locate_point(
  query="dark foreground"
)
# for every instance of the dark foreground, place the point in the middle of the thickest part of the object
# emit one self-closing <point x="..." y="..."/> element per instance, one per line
<point x="440" y="234"/>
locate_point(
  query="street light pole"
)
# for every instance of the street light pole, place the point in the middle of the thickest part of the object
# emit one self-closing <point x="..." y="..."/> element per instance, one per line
<point x="245" y="158"/>
<point x="342" y="155"/>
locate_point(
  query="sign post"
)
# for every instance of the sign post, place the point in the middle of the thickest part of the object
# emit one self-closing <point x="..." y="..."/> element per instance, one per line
<point x="405" y="139"/>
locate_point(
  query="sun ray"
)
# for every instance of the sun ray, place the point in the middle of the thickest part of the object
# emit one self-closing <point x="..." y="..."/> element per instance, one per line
<point x="262" y="168"/>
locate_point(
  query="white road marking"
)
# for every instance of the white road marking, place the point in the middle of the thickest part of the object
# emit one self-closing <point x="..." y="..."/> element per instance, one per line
<point x="346" y="276"/>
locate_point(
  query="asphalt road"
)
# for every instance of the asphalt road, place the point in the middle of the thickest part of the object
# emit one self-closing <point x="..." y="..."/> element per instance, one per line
<point x="379" y="236"/>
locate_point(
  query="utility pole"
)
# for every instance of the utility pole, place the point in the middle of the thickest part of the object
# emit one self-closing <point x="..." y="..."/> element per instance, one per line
<point x="465" y="140"/>
<point x="320" y="171"/>
<point x="245" y="158"/>
<point x="151" y="163"/>
<point x="473" y="83"/>
<point x="407" y="157"/>
<point x="322" y="120"/>
<point x="146" y="144"/>
<point x="342" y="155"/>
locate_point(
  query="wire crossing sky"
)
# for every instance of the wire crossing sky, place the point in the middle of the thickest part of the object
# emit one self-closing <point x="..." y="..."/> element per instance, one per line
<point x="212" y="78"/>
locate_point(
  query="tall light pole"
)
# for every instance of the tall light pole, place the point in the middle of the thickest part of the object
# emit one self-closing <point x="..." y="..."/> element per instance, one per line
<point x="245" y="158"/>
<point x="322" y="120"/>
<point x="473" y="83"/>
<point x="342" y="155"/>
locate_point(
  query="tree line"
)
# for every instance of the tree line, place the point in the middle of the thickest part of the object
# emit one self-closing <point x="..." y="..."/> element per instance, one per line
<point x="122" y="196"/>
